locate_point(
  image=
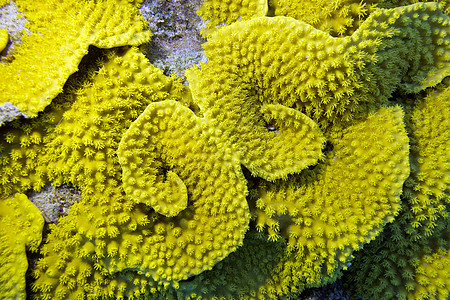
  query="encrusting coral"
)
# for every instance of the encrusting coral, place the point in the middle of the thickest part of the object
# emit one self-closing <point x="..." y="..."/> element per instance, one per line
<point x="169" y="136"/>
<point x="415" y="250"/>
<point x="21" y="155"/>
<point x="217" y="12"/>
<point x="426" y="191"/>
<point x="396" y="266"/>
<point x="313" y="232"/>
<point x="200" y="192"/>
<point x="249" y="272"/>
<point x="338" y="18"/>
<point x="100" y="236"/>
<point x="21" y="226"/>
<point x="332" y="80"/>
<point x="169" y="153"/>
<point x="59" y="48"/>
<point x="327" y="213"/>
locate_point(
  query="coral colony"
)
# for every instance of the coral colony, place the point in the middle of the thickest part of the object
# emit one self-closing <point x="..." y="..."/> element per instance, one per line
<point x="313" y="137"/>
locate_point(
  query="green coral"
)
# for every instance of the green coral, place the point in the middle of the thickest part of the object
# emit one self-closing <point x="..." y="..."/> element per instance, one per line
<point x="21" y="226"/>
<point x="395" y="266"/>
<point x="249" y="272"/>
<point x="75" y="25"/>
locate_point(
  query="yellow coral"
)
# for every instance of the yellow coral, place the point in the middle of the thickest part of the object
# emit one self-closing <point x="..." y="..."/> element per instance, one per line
<point x="114" y="245"/>
<point x="105" y="235"/>
<point x="216" y="13"/>
<point x="60" y="47"/>
<point x="4" y="39"/>
<point x="427" y="189"/>
<point x="168" y="135"/>
<point x="77" y="152"/>
<point x="21" y="226"/>
<point x="339" y="17"/>
<point x="169" y="153"/>
<point x="332" y="80"/>
<point x="246" y="273"/>
<point x="21" y="155"/>
<point x="329" y="212"/>
<point x="272" y="139"/>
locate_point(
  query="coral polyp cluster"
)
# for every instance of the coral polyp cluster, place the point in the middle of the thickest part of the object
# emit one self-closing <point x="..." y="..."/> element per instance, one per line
<point x="307" y="143"/>
<point x="59" y="48"/>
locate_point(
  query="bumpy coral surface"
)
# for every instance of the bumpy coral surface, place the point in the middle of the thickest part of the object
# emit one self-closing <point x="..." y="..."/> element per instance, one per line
<point x="415" y="249"/>
<point x="327" y="213"/>
<point x="332" y="80"/>
<point x="201" y="192"/>
<point x="60" y="47"/>
<point x="169" y="153"/>
<point x="169" y="136"/>
<point x="20" y="229"/>
<point x="250" y="272"/>
<point x="100" y="237"/>
<point x="338" y="18"/>
<point x="217" y="12"/>
<point x="427" y="189"/>
<point x="395" y="266"/>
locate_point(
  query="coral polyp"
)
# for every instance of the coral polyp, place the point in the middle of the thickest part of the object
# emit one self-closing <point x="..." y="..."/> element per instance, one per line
<point x="301" y="146"/>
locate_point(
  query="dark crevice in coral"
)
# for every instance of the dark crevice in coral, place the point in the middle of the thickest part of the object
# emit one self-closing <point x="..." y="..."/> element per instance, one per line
<point x="328" y="148"/>
<point x="332" y="291"/>
<point x="271" y="126"/>
<point x="190" y="279"/>
<point x="32" y="258"/>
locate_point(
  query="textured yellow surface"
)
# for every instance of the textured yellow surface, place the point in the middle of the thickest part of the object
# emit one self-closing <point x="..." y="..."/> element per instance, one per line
<point x="4" y="39"/>
<point x="250" y="271"/>
<point x="332" y="80"/>
<point x="338" y="18"/>
<point x="106" y="234"/>
<point x="218" y="13"/>
<point x="168" y="135"/>
<point x="234" y="146"/>
<point x="427" y="189"/>
<point x="415" y="248"/>
<point x="328" y="213"/>
<point x="21" y="226"/>
<point x="51" y="54"/>
<point x="169" y="153"/>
